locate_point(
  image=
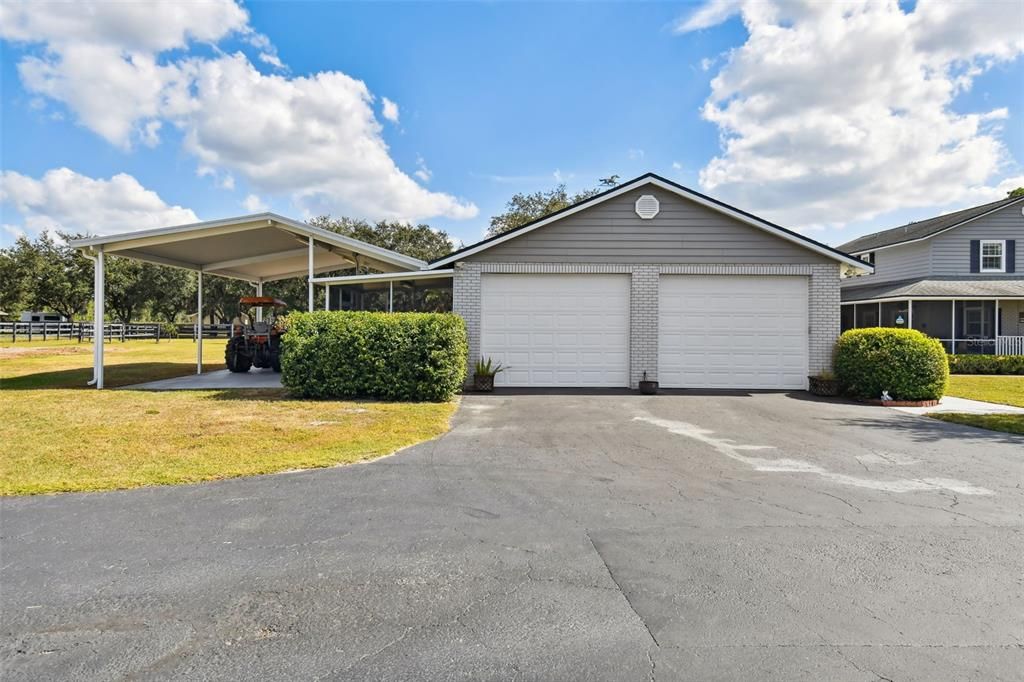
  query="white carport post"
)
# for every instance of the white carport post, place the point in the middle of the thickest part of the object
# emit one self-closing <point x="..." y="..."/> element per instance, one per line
<point x="391" y="296"/>
<point x="259" y="309"/>
<point x="310" y="279"/>
<point x="199" y="323"/>
<point x="97" y="312"/>
<point x="327" y="297"/>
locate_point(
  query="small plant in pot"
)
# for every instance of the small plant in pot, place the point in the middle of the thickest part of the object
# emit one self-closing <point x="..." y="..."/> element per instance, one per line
<point x="648" y="387"/>
<point x="483" y="375"/>
<point x="824" y="384"/>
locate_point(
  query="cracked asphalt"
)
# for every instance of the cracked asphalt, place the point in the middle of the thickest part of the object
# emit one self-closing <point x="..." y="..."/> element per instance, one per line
<point x="551" y="537"/>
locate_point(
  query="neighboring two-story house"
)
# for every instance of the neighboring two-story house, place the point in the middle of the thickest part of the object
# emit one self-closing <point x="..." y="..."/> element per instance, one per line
<point x="953" y="277"/>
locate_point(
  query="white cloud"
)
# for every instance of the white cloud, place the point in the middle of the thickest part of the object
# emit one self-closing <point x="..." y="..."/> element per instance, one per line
<point x="227" y="182"/>
<point x="253" y="204"/>
<point x="315" y="138"/>
<point x="635" y="154"/>
<point x="677" y="166"/>
<point x="422" y="172"/>
<point x="99" y="57"/>
<point x="841" y="111"/>
<point x="65" y="200"/>
<point x="389" y="110"/>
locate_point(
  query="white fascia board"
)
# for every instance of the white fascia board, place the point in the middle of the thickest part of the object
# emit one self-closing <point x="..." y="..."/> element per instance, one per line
<point x="385" y="277"/>
<point x="849" y="260"/>
<point x="919" y="297"/>
<point x="175" y="232"/>
<point x="936" y="234"/>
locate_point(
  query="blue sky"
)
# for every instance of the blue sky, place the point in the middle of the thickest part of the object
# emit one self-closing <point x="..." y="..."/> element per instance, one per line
<point x="496" y="98"/>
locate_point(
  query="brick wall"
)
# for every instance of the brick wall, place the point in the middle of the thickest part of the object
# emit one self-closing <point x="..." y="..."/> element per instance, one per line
<point x="823" y="302"/>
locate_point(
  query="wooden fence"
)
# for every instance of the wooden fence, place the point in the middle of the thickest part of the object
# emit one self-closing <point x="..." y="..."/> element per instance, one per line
<point x="83" y="331"/>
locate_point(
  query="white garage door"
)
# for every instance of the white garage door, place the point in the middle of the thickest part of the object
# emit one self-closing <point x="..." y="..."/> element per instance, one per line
<point x="556" y="330"/>
<point x="732" y="332"/>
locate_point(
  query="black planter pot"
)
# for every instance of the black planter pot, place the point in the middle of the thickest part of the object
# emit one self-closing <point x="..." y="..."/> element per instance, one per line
<point x="823" y="387"/>
<point x="483" y="382"/>
<point x="648" y="387"/>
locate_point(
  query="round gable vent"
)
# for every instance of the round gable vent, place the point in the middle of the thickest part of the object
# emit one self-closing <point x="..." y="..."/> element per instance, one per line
<point x="647" y="206"/>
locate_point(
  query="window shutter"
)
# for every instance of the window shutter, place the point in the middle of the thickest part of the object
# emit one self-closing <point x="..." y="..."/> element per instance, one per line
<point x="1010" y="259"/>
<point x="975" y="255"/>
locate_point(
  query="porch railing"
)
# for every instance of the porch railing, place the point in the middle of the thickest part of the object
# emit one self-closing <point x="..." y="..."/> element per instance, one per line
<point x="1010" y="345"/>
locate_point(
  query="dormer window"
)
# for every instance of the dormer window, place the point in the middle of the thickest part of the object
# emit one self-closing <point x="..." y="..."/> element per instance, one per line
<point x="993" y="255"/>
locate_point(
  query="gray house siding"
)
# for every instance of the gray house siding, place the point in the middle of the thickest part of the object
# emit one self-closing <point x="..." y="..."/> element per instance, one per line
<point x="945" y="255"/>
<point x="951" y="251"/>
<point x="683" y="232"/>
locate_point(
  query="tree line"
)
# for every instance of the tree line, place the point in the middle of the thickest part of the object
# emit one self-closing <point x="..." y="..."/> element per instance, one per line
<point x="45" y="273"/>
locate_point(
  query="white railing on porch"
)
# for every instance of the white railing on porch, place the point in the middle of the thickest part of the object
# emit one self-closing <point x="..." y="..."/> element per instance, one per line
<point x="1010" y="345"/>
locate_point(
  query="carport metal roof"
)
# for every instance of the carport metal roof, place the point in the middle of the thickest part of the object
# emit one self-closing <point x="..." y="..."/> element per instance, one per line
<point x="257" y="248"/>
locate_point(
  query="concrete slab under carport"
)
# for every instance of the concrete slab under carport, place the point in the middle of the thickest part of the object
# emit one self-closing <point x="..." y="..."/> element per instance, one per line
<point x="220" y="379"/>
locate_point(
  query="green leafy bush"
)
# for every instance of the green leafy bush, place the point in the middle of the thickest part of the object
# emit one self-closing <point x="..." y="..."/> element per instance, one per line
<point x="904" y="362"/>
<point x="388" y="356"/>
<point x="986" y="364"/>
<point x="168" y="330"/>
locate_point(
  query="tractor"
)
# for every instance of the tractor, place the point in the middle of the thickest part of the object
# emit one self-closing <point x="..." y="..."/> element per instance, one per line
<point x="255" y="341"/>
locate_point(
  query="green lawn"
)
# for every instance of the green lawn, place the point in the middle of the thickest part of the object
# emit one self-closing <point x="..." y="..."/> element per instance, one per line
<point x="1010" y="423"/>
<point x="1004" y="389"/>
<point x="61" y="436"/>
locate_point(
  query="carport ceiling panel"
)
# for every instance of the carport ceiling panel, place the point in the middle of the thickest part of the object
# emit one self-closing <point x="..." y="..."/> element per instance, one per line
<point x="223" y="247"/>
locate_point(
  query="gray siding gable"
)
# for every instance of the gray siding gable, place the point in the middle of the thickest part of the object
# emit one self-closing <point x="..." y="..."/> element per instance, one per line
<point x="682" y="232"/>
<point x="951" y="251"/>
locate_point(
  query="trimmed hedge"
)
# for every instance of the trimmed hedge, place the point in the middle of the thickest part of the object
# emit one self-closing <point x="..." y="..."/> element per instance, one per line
<point x="986" y="364"/>
<point x="904" y="362"/>
<point x="387" y="356"/>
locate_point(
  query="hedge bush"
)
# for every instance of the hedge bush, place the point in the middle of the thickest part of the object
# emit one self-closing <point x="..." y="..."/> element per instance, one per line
<point x="387" y="356"/>
<point x="904" y="362"/>
<point x="986" y="364"/>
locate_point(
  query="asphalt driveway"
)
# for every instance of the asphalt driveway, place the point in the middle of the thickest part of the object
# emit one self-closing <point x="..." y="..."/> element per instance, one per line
<point x="555" y="537"/>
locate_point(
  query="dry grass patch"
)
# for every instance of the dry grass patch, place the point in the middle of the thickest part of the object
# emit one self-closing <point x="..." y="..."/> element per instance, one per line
<point x="58" y="438"/>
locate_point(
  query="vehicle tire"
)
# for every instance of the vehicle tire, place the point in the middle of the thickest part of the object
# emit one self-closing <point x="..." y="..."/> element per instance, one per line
<point x="234" y="358"/>
<point x="275" y="362"/>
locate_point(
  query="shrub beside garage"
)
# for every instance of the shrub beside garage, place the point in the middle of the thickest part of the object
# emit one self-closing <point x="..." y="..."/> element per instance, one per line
<point x="385" y="356"/>
<point x="986" y="364"/>
<point x="904" y="362"/>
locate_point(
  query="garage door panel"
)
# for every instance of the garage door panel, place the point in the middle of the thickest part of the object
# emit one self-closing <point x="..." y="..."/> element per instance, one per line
<point x="557" y="330"/>
<point x="732" y="332"/>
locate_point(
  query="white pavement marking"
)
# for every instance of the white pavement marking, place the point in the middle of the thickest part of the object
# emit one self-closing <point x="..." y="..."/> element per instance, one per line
<point x="732" y="450"/>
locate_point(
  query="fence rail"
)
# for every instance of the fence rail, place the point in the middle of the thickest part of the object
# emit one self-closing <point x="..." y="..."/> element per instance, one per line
<point x="83" y="331"/>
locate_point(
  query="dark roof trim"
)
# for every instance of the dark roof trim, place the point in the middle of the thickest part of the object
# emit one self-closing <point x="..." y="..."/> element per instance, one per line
<point x="665" y="184"/>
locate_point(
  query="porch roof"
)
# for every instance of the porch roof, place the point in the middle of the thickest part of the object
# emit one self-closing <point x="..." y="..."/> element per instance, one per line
<point x="989" y="287"/>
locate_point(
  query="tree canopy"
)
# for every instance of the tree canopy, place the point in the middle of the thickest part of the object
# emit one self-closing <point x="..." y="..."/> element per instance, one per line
<point x="524" y="208"/>
<point x="1014" y="193"/>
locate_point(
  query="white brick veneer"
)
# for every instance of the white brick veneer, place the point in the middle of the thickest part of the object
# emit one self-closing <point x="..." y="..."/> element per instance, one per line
<point x="823" y="303"/>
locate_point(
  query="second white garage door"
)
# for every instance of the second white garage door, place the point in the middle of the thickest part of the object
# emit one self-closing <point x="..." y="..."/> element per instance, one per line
<point x="732" y="332"/>
<point x="557" y="330"/>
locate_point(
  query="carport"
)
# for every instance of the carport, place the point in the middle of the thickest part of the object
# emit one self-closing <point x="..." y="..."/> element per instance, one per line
<point x="259" y="248"/>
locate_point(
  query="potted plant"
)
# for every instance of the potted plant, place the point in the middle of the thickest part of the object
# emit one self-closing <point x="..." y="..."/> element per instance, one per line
<point x="483" y="375"/>
<point x="648" y="387"/>
<point x="824" y="384"/>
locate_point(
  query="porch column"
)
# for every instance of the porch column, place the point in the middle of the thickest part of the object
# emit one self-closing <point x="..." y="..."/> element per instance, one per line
<point x="99" y="295"/>
<point x="910" y="313"/>
<point x="259" y="309"/>
<point x="309" y="280"/>
<point x="391" y="296"/>
<point x="327" y="297"/>
<point x="199" y="322"/>
<point x="952" y="330"/>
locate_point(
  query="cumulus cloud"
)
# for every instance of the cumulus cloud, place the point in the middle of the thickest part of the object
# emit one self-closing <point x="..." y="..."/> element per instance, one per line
<point x="314" y="138"/>
<point x="841" y="111"/>
<point x="389" y="110"/>
<point x="253" y="204"/>
<point x="65" y="200"/>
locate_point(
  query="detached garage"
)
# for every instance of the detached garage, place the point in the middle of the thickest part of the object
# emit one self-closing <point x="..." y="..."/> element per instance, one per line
<point x="647" y="278"/>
